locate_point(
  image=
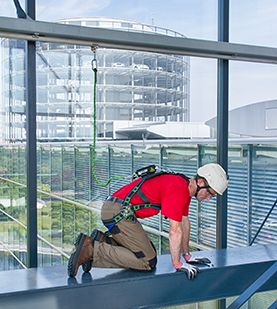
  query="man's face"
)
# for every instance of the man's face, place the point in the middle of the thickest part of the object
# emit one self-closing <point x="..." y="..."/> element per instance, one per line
<point x="204" y="194"/>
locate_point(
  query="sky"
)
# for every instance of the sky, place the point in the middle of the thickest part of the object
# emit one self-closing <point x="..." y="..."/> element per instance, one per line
<point x="251" y="22"/>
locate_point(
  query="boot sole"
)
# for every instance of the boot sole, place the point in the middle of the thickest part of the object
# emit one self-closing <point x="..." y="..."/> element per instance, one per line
<point x="87" y="266"/>
<point x="71" y="267"/>
<point x="95" y="234"/>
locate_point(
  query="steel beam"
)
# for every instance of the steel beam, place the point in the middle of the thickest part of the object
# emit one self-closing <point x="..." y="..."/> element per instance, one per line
<point x="234" y="270"/>
<point x="106" y="38"/>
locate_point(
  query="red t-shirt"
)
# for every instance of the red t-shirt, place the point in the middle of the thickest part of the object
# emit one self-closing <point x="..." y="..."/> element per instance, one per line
<point x="170" y="191"/>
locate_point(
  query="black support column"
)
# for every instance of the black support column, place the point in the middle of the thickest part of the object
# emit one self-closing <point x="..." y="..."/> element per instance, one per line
<point x="222" y="128"/>
<point x="31" y="146"/>
<point x="222" y="121"/>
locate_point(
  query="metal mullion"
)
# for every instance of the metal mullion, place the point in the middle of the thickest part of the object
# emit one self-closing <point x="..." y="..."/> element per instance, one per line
<point x="31" y="145"/>
<point x="222" y="122"/>
<point x="222" y="128"/>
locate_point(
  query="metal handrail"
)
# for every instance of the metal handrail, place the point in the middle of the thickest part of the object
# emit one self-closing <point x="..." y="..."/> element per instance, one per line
<point x="194" y="141"/>
<point x="13" y="255"/>
<point x="38" y="236"/>
<point x="261" y="226"/>
<point x="273" y="305"/>
<point x="80" y="205"/>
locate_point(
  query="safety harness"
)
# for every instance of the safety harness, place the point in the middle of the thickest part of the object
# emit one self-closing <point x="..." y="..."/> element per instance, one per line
<point x="127" y="209"/>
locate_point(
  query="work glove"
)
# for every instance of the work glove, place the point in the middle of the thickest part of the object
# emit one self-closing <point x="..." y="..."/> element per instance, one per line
<point x="191" y="271"/>
<point x="196" y="260"/>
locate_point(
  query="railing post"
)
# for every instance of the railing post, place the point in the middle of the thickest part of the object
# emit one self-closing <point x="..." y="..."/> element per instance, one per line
<point x="62" y="186"/>
<point x="200" y="151"/>
<point x="90" y="170"/>
<point x="249" y="192"/>
<point x="75" y="177"/>
<point x="109" y="168"/>
<point x="161" y="155"/>
<point x="132" y="159"/>
<point x="75" y="170"/>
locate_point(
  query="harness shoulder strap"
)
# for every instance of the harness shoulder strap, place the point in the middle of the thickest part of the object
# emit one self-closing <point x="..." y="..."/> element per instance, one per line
<point x="137" y="187"/>
<point x="184" y="176"/>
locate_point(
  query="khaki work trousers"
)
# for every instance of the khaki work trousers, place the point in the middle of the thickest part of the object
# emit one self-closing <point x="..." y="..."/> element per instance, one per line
<point x="132" y="247"/>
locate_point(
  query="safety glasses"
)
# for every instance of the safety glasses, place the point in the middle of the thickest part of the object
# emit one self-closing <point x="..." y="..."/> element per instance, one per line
<point x="208" y="188"/>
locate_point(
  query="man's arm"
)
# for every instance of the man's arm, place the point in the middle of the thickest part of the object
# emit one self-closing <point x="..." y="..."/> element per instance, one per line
<point x="176" y="236"/>
<point x="175" y="241"/>
<point x="186" y="235"/>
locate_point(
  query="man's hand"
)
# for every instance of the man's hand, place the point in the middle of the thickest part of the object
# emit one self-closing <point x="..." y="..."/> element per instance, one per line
<point x="196" y="259"/>
<point x="191" y="271"/>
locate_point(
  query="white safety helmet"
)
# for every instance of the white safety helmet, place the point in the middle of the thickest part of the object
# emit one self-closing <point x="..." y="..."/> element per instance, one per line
<point x="215" y="176"/>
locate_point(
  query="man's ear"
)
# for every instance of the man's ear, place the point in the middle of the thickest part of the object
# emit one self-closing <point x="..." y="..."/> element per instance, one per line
<point x="200" y="182"/>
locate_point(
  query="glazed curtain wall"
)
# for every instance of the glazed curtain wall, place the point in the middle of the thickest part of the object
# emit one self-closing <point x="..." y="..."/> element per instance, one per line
<point x="69" y="198"/>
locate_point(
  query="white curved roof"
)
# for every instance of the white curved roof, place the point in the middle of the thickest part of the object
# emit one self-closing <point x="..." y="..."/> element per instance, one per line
<point x="120" y="24"/>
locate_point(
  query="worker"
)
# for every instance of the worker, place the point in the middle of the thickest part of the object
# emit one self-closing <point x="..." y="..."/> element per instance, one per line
<point x="126" y="245"/>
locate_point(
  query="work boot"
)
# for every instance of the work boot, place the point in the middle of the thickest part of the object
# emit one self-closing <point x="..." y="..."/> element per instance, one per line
<point x="82" y="253"/>
<point x="98" y="236"/>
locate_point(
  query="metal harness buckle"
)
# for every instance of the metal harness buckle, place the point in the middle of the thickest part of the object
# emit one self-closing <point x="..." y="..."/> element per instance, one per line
<point x="127" y="212"/>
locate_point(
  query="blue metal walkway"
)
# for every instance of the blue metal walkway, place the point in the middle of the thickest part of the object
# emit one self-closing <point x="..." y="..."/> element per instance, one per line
<point x="49" y="288"/>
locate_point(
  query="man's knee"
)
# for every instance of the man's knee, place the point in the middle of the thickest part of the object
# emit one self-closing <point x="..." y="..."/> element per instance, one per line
<point x="152" y="262"/>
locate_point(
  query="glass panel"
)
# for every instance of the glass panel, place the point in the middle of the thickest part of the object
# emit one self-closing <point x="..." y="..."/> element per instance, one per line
<point x="264" y="179"/>
<point x="121" y="159"/>
<point x="65" y="192"/>
<point x="251" y="112"/>
<point x="253" y="22"/>
<point x="238" y="196"/>
<point x="60" y="220"/>
<point x="197" y="19"/>
<point x="12" y="155"/>
<point x="263" y="300"/>
<point x="133" y="88"/>
<point x="8" y="8"/>
<point x="206" y="213"/>
<point x="252" y="99"/>
<point x="203" y="93"/>
<point x="257" y="301"/>
<point x="203" y="305"/>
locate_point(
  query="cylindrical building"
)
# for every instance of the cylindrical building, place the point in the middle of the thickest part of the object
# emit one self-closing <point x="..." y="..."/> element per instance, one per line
<point x="133" y="87"/>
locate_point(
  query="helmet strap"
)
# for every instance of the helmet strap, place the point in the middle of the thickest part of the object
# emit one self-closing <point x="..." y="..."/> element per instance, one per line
<point x="198" y="187"/>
